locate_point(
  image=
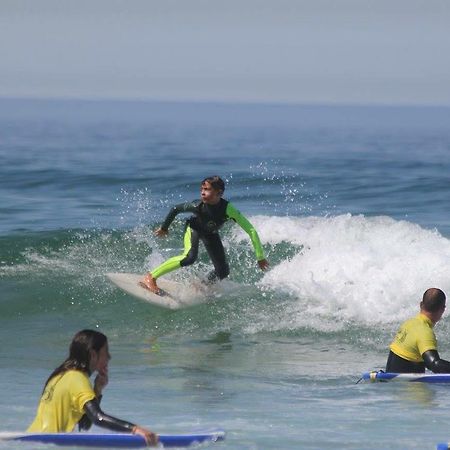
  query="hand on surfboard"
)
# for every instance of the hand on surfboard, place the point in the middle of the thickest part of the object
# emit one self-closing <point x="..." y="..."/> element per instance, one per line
<point x="263" y="264"/>
<point x="150" y="438"/>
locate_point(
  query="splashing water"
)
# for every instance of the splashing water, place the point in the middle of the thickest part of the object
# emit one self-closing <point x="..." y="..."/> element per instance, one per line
<point x="356" y="268"/>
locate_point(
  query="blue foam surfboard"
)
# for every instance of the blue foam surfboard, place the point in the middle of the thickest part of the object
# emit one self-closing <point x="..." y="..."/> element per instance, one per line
<point x="115" y="440"/>
<point x="413" y="377"/>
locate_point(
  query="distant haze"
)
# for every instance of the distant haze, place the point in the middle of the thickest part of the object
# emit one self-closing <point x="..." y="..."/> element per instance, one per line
<point x="317" y="51"/>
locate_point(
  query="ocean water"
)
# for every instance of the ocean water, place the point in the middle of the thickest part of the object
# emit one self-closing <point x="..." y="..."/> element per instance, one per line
<point x="351" y="204"/>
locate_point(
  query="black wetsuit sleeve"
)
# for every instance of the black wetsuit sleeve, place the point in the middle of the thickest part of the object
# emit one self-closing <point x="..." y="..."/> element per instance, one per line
<point x="177" y="209"/>
<point x="85" y="423"/>
<point x="435" y="363"/>
<point x="99" y="418"/>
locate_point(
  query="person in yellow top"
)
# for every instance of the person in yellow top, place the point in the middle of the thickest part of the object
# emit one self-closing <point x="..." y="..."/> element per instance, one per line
<point x="414" y="347"/>
<point x="69" y="399"/>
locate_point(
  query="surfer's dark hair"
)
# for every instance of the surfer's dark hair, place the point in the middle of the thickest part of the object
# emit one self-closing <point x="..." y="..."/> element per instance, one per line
<point x="216" y="182"/>
<point x="80" y="352"/>
<point x="433" y="300"/>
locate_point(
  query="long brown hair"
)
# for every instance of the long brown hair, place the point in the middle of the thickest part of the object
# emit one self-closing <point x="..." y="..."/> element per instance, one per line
<point x="80" y="352"/>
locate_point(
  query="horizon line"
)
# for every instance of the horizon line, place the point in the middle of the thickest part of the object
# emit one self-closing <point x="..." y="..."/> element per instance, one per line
<point x="221" y="102"/>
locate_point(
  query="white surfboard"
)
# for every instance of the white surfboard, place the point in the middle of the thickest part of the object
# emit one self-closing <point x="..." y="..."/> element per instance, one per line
<point x="174" y="296"/>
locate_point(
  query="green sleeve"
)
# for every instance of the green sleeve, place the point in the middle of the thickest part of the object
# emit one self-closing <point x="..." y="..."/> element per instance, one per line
<point x="177" y="209"/>
<point x="245" y="224"/>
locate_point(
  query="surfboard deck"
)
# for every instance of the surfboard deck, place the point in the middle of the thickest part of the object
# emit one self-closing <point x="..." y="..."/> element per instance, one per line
<point x="175" y="295"/>
<point x="114" y="440"/>
<point x="408" y="377"/>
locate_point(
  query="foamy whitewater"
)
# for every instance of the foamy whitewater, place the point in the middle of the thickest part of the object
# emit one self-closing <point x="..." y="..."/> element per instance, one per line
<point x="351" y="205"/>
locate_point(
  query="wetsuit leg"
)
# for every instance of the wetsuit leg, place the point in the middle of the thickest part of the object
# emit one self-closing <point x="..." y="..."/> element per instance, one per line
<point x="188" y="256"/>
<point x="216" y="252"/>
<point x="396" y="364"/>
<point x="191" y="240"/>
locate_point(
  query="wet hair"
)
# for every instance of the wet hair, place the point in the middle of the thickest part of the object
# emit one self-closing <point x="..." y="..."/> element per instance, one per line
<point x="80" y="352"/>
<point x="216" y="183"/>
<point x="433" y="300"/>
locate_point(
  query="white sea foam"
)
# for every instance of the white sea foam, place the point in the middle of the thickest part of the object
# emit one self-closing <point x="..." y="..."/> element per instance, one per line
<point x="337" y="271"/>
<point x="353" y="268"/>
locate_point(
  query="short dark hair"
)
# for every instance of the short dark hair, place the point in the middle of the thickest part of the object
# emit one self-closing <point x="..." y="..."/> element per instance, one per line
<point x="433" y="300"/>
<point x="216" y="182"/>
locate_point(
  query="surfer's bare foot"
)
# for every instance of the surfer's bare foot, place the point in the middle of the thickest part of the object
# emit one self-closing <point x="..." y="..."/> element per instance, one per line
<point x="150" y="283"/>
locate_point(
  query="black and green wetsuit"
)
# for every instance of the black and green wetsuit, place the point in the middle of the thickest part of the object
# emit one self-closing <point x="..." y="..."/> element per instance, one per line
<point x="204" y="225"/>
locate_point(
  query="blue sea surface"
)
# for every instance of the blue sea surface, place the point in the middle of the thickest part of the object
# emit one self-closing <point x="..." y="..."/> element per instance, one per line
<point x="351" y="205"/>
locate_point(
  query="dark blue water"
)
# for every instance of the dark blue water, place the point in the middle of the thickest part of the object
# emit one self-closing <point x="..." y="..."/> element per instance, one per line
<point x="351" y="204"/>
<point x="65" y="163"/>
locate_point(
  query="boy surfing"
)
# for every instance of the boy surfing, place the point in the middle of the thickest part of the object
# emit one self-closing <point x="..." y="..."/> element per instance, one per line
<point x="209" y="215"/>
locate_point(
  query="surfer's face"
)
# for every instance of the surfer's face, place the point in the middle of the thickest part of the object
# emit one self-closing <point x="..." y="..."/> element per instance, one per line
<point x="440" y="313"/>
<point x="209" y="195"/>
<point x="100" y="359"/>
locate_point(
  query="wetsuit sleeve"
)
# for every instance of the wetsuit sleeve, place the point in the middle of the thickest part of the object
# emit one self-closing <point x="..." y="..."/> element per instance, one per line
<point x="435" y="363"/>
<point x="99" y="418"/>
<point x="245" y="224"/>
<point x="177" y="209"/>
<point x="85" y="423"/>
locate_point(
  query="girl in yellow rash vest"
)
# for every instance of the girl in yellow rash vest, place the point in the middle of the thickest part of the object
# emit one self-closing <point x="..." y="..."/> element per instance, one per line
<point x="68" y="397"/>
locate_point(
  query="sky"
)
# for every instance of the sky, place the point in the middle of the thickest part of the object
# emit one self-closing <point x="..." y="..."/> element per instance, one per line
<point x="271" y="51"/>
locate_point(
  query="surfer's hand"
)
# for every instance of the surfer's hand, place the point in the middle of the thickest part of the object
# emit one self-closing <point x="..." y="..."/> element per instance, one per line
<point x="161" y="233"/>
<point x="150" y="438"/>
<point x="263" y="264"/>
<point x="101" y="380"/>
